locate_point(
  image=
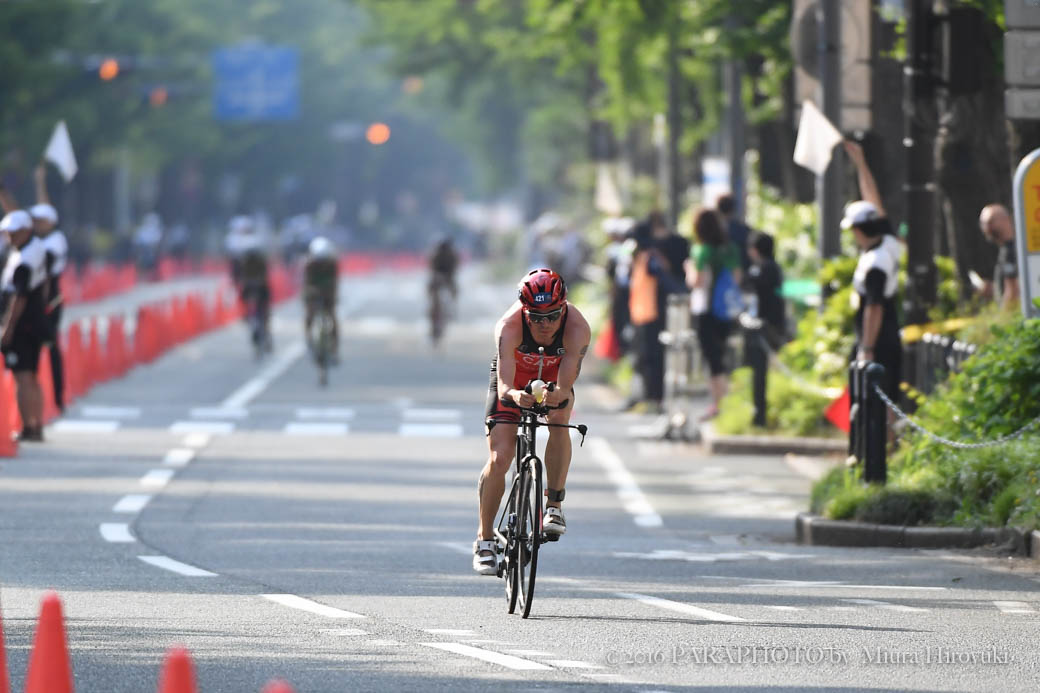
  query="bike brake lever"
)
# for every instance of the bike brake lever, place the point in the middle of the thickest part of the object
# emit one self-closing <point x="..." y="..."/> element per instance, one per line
<point x="582" y="429"/>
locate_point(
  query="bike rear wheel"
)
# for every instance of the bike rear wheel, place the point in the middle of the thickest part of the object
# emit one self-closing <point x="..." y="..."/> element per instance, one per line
<point x="529" y="529"/>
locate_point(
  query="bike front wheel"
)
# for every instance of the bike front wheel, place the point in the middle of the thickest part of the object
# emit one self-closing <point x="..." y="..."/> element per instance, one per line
<point x="512" y="540"/>
<point x="529" y="529"/>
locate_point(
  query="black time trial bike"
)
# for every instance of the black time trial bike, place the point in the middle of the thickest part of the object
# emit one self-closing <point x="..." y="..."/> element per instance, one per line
<point x="519" y="532"/>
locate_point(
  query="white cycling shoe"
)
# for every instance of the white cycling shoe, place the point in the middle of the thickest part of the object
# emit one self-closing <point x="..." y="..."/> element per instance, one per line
<point x="553" y="522"/>
<point x="485" y="557"/>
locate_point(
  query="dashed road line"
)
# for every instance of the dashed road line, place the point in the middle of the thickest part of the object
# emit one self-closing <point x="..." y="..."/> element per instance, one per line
<point x="178" y="457"/>
<point x="196" y="440"/>
<point x="450" y="631"/>
<point x="530" y="653"/>
<point x="632" y="498"/>
<point x="249" y="391"/>
<point x="336" y="413"/>
<point x="430" y="415"/>
<point x="785" y="608"/>
<point x="101" y="412"/>
<point x="1014" y="607"/>
<point x="430" y="430"/>
<point x="157" y="478"/>
<point x="680" y="607"/>
<point x="207" y="427"/>
<point x="572" y="664"/>
<point x="84" y="426"/>
<point x="116" y="532"/>
<point x="132" y="503"/>
<point x="295" y="602"/>
<point x="167" y="563"/>
<point x="508" y="661"/>
<point x="885" y="605"/>
<point x="308" y="428"/>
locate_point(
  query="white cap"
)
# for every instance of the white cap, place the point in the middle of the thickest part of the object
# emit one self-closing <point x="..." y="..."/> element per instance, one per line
<point x="240" y="224"/>
<point x="44" y="212"/>
<point x="859" y="212"/>
<point x="18" y="220"/>
<point x="321" y="247"/>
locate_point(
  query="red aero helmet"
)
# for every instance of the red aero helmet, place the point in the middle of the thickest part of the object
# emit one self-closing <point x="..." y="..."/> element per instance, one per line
<point x="542" y="290"/>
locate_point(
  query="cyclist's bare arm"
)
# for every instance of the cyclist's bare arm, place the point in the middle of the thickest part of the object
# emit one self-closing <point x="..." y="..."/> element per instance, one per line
<point x="576" y="340"/>
<point x="508" y="335"/>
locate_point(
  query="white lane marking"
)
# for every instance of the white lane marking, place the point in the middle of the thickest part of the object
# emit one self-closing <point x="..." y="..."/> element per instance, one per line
<point x="157" y="478"/>
<point x="325" y="413"/>
<point x="344" y="632"/>
<point x="116" y="532"/>
<point x="884" y="605"/>
<point x="420" y="430"/>
<point x="375" y="326"/>
<point x="504" y="660"/>
<point x="196" y="440"/>
<point x="132" y="503"/>
<point x="294" y="602"/>
<point x="297" y="428"/>
<point x="167" y="563"/>
<point x="207" y="427"/>
<point x="1014" y="607"/>
<point x="829" y="584"/>
<point x="249" y="391"/>
<point x="84" y="426"/>
<point x="432" y="414"/>
<point x="530" y="653"/>
<point x="680" y="607"/>
<point x="457" y="546"/>
<point x="449" y="631"/>
<point x="218" y="413"/>
<point x="572" y="664"/>
<point x="99" y="412"/>
<point x="178" y="457"/>
<point x="632" y="498"/>
<point x="785" y="608"/>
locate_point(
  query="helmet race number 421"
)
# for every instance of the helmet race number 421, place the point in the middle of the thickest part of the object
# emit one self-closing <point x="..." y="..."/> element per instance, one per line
<point x="542" y="290"/>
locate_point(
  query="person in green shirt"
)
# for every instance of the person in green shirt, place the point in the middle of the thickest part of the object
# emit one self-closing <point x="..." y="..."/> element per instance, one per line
<point x="713" y="274"/>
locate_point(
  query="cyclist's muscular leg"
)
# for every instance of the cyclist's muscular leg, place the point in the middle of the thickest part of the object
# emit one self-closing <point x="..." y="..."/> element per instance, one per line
<point x="558" y="450"/>
<point x="492" y="484"/>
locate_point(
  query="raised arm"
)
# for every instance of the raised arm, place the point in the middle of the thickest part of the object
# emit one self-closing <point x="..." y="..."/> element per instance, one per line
<point x="7" y="200"/>
<point x="40" y="177"/>
<point x="868" y="189"/>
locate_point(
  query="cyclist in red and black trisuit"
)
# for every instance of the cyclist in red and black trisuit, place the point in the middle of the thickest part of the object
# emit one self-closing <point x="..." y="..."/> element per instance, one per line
<point x="540" y="318"/>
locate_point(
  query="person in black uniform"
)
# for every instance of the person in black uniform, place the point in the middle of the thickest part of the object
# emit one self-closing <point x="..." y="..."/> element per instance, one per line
<point x="765" y="279"/>
<point x="24" y="319"/>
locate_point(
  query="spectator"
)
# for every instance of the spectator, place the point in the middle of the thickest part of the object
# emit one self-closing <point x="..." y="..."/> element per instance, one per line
<point x="995" y="224"/>
<point x="739" y="233"/>
<point x="651" y="281"/>
<point x="56" y="256"/>
<point x="765" y="279"/>
<point x="617" y="270"/>
<point x="673" y="247"/>
<point x="712" y="260"/>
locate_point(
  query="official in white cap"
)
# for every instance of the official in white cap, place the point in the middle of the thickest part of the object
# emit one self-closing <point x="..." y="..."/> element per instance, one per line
<point x="56" y="256"/>
<point x="24" y="324"/>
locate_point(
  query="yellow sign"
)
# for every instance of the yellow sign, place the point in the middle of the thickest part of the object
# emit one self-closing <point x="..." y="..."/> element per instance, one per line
<point x="1031" y="207"/>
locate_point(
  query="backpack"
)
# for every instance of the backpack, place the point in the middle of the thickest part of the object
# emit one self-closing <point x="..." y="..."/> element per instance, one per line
<point x="726" y="300"/>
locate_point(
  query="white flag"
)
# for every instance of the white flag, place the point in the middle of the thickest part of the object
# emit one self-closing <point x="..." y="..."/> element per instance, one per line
<point x="816" y="139"/>
<point x="59" y="152"/>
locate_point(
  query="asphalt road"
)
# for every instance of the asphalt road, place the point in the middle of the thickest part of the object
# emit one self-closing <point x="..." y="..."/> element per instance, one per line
<point x="276" y="528"/>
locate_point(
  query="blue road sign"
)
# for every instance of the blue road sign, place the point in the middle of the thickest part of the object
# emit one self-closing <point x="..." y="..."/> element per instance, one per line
<point x="254" y="82"/>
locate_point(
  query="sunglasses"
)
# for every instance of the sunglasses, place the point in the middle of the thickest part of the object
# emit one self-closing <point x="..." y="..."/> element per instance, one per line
<point x="538" y="318"/>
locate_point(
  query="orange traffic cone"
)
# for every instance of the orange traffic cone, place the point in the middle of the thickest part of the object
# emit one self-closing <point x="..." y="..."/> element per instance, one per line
<point x="277" y="686"/>
<point x="45" y="378"/>
<point x="10" y="421"/>
<point x="5" y="685"/>
<point x="49" y="667"/>
<point x="178" y="673"/>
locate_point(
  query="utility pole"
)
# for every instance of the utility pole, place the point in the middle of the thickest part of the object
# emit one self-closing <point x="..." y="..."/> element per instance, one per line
<point x="674" y="121"/>
<point x="737" y="140"/>
<point x="918" y="143"/>
<point x="828" y="186"/>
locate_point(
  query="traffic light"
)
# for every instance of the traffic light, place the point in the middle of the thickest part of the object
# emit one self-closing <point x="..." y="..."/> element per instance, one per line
<point x="109" y="69"/>
<point x="377" y="133"/>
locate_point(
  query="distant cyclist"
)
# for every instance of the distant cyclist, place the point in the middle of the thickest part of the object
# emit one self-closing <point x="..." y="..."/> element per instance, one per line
<point x="248" y="254"/>
<point x="541" y="317"/>
<point x="321" y="287"/>
<point x="443" y="262"/>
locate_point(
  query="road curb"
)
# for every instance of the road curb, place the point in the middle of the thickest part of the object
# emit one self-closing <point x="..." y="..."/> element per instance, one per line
<point x="716" y="444"/>
<point x="819" y="531"/>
